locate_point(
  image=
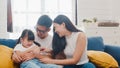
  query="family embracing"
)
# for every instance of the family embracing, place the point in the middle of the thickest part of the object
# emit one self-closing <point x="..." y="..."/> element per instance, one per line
<point x="67" y="47"/>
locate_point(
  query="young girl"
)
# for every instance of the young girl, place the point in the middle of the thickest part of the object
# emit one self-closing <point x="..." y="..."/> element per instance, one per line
<point x="26" y="44"/>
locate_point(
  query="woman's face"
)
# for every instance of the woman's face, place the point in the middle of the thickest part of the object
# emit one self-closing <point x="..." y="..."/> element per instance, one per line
<point x="59" y="29"/>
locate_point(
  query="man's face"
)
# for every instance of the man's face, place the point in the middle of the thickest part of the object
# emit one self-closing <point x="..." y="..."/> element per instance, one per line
<point x="42" y="31"/>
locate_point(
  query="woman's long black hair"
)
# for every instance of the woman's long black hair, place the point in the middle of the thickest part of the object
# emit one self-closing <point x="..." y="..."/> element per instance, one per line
<point x="59" y="43"/>
<point x="27" y="33"/>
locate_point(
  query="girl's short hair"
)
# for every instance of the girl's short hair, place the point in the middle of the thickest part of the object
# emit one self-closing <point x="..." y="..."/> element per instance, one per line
<point x="30" y="36"/>
<point x="26" y="33"/>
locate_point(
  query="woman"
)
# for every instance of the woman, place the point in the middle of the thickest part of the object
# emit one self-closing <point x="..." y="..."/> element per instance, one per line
<point x="71" y="43"/>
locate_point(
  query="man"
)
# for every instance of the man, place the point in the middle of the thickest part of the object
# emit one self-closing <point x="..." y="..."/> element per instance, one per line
<point x="44" y="38"/>
<point x="42" y="28"/>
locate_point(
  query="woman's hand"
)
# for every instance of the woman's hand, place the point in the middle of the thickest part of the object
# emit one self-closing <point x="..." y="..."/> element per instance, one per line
<point x="46" y="60"/>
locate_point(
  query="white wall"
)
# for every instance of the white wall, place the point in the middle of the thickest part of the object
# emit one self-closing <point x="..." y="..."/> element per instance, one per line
<point x="115" y="10"/>
<point x="101" y="9"/>
<point x="3" y="19"/>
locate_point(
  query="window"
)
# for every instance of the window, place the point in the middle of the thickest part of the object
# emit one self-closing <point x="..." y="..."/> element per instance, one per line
<point x="26" y="12"/>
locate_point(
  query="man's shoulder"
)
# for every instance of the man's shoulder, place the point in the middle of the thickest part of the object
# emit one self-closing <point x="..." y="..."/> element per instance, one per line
<point x="50" y="36"/>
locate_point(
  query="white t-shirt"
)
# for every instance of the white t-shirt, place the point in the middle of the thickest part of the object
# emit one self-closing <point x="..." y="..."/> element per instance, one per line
<point x="46" y="42"/>
<point x="20" y="47"/>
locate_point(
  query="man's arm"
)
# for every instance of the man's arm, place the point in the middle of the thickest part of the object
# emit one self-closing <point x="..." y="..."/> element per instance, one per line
<point x="44" y="52"/>
<point x="16" y="57"/>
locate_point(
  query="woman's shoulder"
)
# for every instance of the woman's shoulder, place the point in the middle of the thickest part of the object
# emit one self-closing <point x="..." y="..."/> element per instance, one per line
<point x="78" y="33"/>
<point x="82" y="35"/>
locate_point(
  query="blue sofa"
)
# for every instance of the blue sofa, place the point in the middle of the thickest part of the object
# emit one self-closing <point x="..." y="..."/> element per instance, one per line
<point x="94" y="43"/>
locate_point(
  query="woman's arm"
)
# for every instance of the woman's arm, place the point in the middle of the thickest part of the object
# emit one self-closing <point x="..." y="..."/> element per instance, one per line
<point x="80" y="47"/>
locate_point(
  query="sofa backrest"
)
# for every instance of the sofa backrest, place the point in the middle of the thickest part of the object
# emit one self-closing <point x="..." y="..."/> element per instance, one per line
<point x="96" y="43"/>
<point x="8" y="42"/>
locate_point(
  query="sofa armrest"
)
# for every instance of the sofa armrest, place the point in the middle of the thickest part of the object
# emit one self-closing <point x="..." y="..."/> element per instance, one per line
<point x="114" y="51"/>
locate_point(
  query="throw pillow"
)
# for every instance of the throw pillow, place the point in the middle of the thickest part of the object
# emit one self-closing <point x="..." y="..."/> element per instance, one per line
<point x="5" y="57"/>
<point x="102" y="59"/>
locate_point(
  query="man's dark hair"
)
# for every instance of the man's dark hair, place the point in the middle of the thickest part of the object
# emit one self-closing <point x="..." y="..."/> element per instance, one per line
<point x="45" y="20"/>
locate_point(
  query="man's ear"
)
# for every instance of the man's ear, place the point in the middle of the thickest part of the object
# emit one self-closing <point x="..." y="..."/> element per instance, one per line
<point x="63" y="24"/>
<point x="49" y="29"/>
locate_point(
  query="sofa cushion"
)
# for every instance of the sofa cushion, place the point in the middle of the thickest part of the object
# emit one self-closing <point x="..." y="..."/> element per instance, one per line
<point x="102" y="59"/>
<point x="114" y="51"/>
<point x="5" y="57"/>
<point x="8" y="42"/>
<point x="95" y="43"/>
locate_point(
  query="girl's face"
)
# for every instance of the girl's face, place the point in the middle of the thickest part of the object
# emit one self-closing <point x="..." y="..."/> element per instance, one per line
<point x="25" y="42"/>
<point x="59" y="29"/>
